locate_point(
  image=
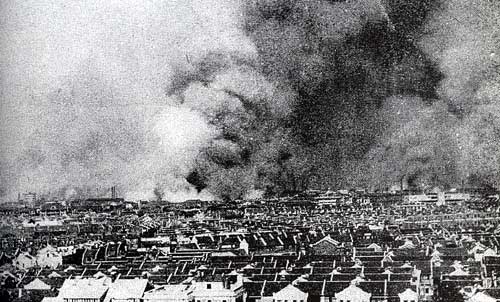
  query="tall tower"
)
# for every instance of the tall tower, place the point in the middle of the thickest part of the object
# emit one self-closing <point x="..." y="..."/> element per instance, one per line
<point x="113" y="192"/>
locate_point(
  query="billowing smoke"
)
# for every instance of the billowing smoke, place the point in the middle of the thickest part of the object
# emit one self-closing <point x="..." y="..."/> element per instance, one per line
<point x="246" y="108"/>
<point x="84" y="94"/>
<point x="416" y="147"/>
<point x="342" y="58"/>
<point x="452" y="139"/>
<point x="227" y="99"/>
<point x="465" y="39"/>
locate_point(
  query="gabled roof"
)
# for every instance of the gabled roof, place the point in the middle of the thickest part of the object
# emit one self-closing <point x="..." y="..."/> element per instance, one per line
<point x="407" y="265"/>
<point x="407" y="245"/>
<point x="54" y="274"/>
<point x="459" y="272"/>
<point x="126" y="289"/>
<point x="88" y="288"/>
<point x="327" y="239"/>
<point x="99" y="274"/>
<point x="353" y="290"/>
<point x="290" y="289"/>
<point x="37" y="284"/>
<point x="407" y="292"/>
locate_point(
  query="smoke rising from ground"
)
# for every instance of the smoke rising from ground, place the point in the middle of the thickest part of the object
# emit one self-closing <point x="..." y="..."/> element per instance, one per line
<point x="452" y="140"/>
<point x="229" y="99"/>
<point x="468" y="57"/>
<point x="84" y="102"/>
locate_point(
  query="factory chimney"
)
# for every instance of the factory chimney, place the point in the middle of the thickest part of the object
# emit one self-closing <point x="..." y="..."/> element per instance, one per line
<point x="113" y="192"/>
<point x="401" y="187"/>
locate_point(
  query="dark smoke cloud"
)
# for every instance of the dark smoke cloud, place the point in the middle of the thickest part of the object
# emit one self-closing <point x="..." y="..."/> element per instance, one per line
<point x="261" y="145"/>
<point x="247" y="109"/>
<point x="229" y="99"/>
<point x="452" y="140"/>
<point x="417" y="146"/>
<point x="342" y="58"/>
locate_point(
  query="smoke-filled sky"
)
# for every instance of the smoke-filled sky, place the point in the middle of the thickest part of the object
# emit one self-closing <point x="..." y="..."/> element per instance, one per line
<point x="232" y="99"/>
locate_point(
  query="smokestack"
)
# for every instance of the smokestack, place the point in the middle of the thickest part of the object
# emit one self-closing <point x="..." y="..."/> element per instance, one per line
<point x="401" y="185"/>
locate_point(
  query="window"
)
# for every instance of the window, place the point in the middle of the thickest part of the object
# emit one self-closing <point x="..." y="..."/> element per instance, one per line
<point x="209" y="286"/>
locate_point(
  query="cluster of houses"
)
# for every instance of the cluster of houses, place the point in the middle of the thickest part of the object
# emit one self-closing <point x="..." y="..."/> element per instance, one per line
<point x="361" y="251"/>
